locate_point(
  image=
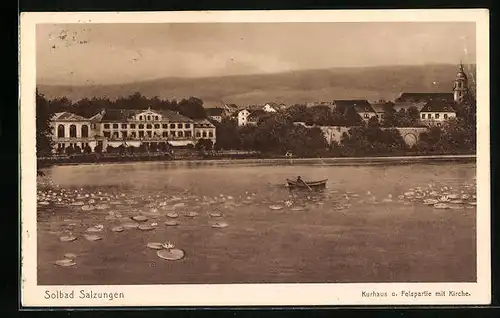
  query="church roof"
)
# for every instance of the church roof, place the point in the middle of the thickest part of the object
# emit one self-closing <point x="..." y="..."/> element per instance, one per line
<point x="420" y="97"/>
<point x="438" y="106"/>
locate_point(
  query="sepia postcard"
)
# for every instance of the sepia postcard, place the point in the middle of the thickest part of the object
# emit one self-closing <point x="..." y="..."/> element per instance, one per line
<point x="255" y="158"/>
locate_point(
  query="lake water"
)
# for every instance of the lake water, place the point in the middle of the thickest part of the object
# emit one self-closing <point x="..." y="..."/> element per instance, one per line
<point x="373" y="223"/>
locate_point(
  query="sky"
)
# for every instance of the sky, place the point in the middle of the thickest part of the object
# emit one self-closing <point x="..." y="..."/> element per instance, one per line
<point x="91" y="54"/>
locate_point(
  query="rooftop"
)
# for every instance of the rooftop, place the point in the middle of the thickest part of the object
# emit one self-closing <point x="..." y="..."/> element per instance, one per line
<point x="419" y="97"/>
<point x="67" y="116"/>
<point x="438" y="106"/>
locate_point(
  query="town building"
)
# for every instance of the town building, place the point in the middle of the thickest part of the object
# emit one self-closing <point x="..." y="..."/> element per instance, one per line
<point x="271" y="108"/>
<point x="216" y="114"/>
<point x="242" y="117"/>
<point x="126" y="127"/>
<point x="204" y="129"/>
<point x="361" y="106"/>
<point x="256" y="116"/>
<point x="435" y="112"/>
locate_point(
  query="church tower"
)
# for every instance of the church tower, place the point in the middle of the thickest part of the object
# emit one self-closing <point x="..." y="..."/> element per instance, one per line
<point x="461" y="85"/>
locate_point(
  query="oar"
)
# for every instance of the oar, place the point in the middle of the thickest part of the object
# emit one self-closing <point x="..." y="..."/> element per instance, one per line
<point x="306" y="184"/>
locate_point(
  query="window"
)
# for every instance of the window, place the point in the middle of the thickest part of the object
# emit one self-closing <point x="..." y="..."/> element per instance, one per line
<point x="60" y="131"/>
<point x="85" y="131"/>
<point x="187" y="133"/>
<point x="72" y="131"/>
<point x="141" y="134"/>
<point x="423" y="116"/>
<point x="149" y="117"/>
<point x="172" y="133"/>
<point x="115" y="134"/>
<point x="149" y="133"/>
<point x="179" y="125"/>
<point x="210" y="134"/>
<point x="429" y="116"/>
<point x="140" y="117"/>
<point x="164" y="126"/>
<point x="382" y="116"/>
<point x="172" y="126"/>
<point x="124" y="126"/>
<point x="92" y="126"/>
<point x="157" y="126"/>
<point x="187" y="125"/>
<point x="124" y="134"/>
<point x="198" y="135"/>
<point x="445" y="116"/>
<point x="149" y="126"/>
<point x="106" y="134"/>
<point x="156" y="117"/>
<point x="165" y="134"/>
<point x="366" y="116"/>
<point x="141" y="126"/>
<point x="115" y="126"/>
<point x="180" y="134"/>
<point x="437" y="116"/>
<point x="377" y="116"/>
<point x="204" y="134"/>
<point x="133" y="134"/>
<point x="132" y="126"/>
<point x="106" y="126"/>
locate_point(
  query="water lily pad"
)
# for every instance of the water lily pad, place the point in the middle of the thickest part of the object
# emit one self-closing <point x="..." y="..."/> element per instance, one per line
<point x="215" y="214"/>
<point x="191" y="214"/>
<point x="276" y="207"/>
<point x="87" y="207"/>
<point x="220" y="225"/>
<point x="441" y="206"/>
<point x="298" y="208"/>
<point x="44" y="203"/>
<point x="65" y="262"/>
<point x="78" y="203"/>
<point x="94" y="229"/>
<point x="93" y="237"/>
<point x="69" y="238"/>
<point x="457" y="201"/>
<point x="472" y="203"/>
<point x="179" y="205"/>
<point x="456" y="206"/>
<point x="171" y="223"/>
<point x="70" y="255"/>
<point x="118" y="229"/>
<point x="155" y="246"/>
<point x="130" y="225"/>
<point x="139" y="218"/>
<point x="172" y="215"/>
<point x="145" y="227"/>
<point x="430" y="201"/>
<point x="171" y="254"/>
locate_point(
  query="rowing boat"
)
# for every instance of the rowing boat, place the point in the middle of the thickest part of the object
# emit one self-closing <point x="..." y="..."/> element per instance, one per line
<point x="307" y="184"/>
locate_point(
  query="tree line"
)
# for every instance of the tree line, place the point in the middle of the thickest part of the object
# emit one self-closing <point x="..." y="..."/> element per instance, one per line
<point x="276" y="133"/>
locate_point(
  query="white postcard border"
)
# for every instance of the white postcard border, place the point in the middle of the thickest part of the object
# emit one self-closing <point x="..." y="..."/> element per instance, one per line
<point x="33" y="295"/>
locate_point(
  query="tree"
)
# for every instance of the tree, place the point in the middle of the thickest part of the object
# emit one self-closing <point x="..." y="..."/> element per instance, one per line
<point x="70" y="150"/>
<point x="192" y="108"/>
<point x="43" y="129"/>
<point x="87" y="149"/>
<point x="204" y="144"/>
<point x="98" y="149"/>
<point x="389" y="116"/>
<point x="227" y="134"/>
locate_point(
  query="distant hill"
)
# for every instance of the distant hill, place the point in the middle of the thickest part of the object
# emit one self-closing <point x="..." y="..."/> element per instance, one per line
<point x="370" y="83"/>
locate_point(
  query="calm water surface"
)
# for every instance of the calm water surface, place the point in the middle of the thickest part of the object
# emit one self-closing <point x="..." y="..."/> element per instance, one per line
<point x="357" y="230"/>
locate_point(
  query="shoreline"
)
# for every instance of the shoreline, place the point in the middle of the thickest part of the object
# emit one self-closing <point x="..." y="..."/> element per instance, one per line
<point x="290" y="161"/>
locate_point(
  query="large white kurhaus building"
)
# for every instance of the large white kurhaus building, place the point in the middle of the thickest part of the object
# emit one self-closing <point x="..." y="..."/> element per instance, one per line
<point x="116" y="127"/>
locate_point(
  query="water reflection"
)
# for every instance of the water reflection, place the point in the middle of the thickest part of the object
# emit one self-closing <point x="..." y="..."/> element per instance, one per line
<point x="223" y="214"/>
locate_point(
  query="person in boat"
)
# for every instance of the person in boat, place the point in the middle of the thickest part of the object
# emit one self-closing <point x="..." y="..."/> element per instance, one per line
<point x="299" y="180"/>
